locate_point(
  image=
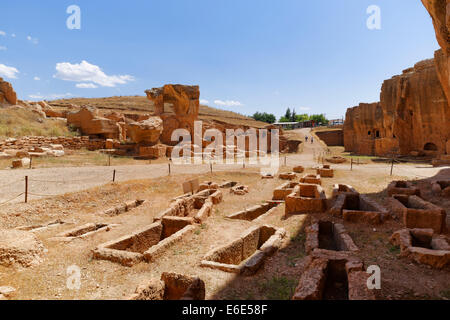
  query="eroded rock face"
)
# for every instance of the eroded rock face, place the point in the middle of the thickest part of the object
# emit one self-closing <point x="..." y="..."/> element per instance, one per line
<point x="178" y="107"/>
<point x="412" y="116"/>
<point x="90" y="123"/>
<point x="7" y="93"/>
<point x="146" y="131"/>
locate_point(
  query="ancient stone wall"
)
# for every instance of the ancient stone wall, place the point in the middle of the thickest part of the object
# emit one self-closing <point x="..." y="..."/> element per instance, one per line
<point x="73" y="143"/>
<point x="331" y="138"/>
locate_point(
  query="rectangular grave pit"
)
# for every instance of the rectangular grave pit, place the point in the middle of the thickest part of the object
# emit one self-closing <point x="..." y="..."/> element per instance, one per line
<point x="83" y="231"/>
<point x="402" y="187"/>
<point x="423" y="247"/>
<point x="197" y="207"/>
<point x="327" y="235"/>
<point x="246" y="254"/>
<point x="333" y="277"/>
<point x="255" y="212"/>
<point x="172" y="286"/>
<point x="145" y="244"/>
<point x="418" y="213"/>
<point x="124" y="207"/>
<point x="359" y="209"/>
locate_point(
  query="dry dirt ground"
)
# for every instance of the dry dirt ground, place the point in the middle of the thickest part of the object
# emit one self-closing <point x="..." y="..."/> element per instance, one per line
<point x="401" y="278"/>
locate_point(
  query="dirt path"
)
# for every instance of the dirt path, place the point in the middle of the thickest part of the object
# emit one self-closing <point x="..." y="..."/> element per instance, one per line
<point x="45" y="182"/>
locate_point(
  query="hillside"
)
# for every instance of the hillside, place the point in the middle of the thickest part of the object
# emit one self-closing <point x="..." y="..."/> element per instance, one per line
<point x="140" y="105"/>
<point x="19" y="122"/>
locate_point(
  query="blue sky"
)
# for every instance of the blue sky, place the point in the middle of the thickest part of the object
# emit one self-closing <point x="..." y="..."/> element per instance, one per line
<point x="246" y="55"/>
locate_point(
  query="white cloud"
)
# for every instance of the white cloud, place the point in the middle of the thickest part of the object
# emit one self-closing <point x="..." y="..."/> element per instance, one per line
<point x="228" y="103"/>
<point x="37" y="78"/>
<point x="2" y="48"/>
<point x="53" y="96"/>
<point x="86" y="86"/>
<point x="86" y="72"/>
<point x="203" y="101"/>
<point x="2" y="33"/>
<point x="33" y="40"/>
<point x="8" y="72"/>
<point x="13" y="35"/>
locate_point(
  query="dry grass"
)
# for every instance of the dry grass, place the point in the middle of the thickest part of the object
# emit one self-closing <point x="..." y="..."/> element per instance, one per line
<point x="21" y="122"/>
<point x="140" y="105"/>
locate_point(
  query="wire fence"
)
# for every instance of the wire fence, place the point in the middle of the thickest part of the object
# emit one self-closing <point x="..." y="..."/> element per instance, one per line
<point x="111" y="176"/>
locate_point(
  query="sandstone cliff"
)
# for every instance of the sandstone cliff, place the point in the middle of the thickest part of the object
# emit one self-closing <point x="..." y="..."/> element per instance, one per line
<point x="7" y="93"/>
<point x="413" y="115"/>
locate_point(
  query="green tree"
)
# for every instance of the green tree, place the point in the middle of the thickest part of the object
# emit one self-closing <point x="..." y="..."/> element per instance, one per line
<point x="264" y="117"/>
<point x="319" y="118"/>
<point x="293" y="116"/>
<point x="288" y="115"/>
<point x="302" y="117"/>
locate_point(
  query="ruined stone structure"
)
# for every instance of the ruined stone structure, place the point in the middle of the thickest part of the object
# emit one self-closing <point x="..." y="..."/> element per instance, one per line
<point x="7" y="93"/>
<point x="246" y="254"/>
<point x="333" y="275"/>
<point x="30" y="143"/>
<point x="89" y="121"/>
<point x="177" y="106"/>
<point x="413" y="114"/>
<point x="422" y="246"/>
<point x="172" y="286"/>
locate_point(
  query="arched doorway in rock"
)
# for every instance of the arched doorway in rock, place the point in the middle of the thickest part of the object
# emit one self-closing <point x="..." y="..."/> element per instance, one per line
<point x="430" y="147"/>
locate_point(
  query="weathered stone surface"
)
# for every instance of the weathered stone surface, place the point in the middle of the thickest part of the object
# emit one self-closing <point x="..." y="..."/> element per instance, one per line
<point x="239" y="190"/>
<point x="306" y="198"/>
<point x="422" y="246"/>
<point x="411" y="116"/>
<point x="172" y="286"/>
<point x="90" y="123"/>
<point x="439" y="12"/>
<point x="178" y="107"/>
<point x="7" y="93"/>
<point x="147" y="131"/>
<point x="247" y="253"/>
<point x="418" y="213"/>
<point x="299" y="169"/>
<point x="20" y="248"/>
<point x="402" y="187"/>
<point x="288" y="176"/>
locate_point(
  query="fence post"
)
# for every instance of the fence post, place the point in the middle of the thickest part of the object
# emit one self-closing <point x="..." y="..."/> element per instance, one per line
<point x="351" y="164"/>
<point x="114" y="175"/>
<point x="26" y="189"/>
<point x="169" y="169"/>
<point x="392" y="166"/>
<point x="210" y="166"/>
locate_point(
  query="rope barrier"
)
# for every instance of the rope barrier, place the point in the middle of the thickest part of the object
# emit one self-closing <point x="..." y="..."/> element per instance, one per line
<point x="3" y="203"/>
<point x="43" y="195"/>
<point x="72" y="180"/>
